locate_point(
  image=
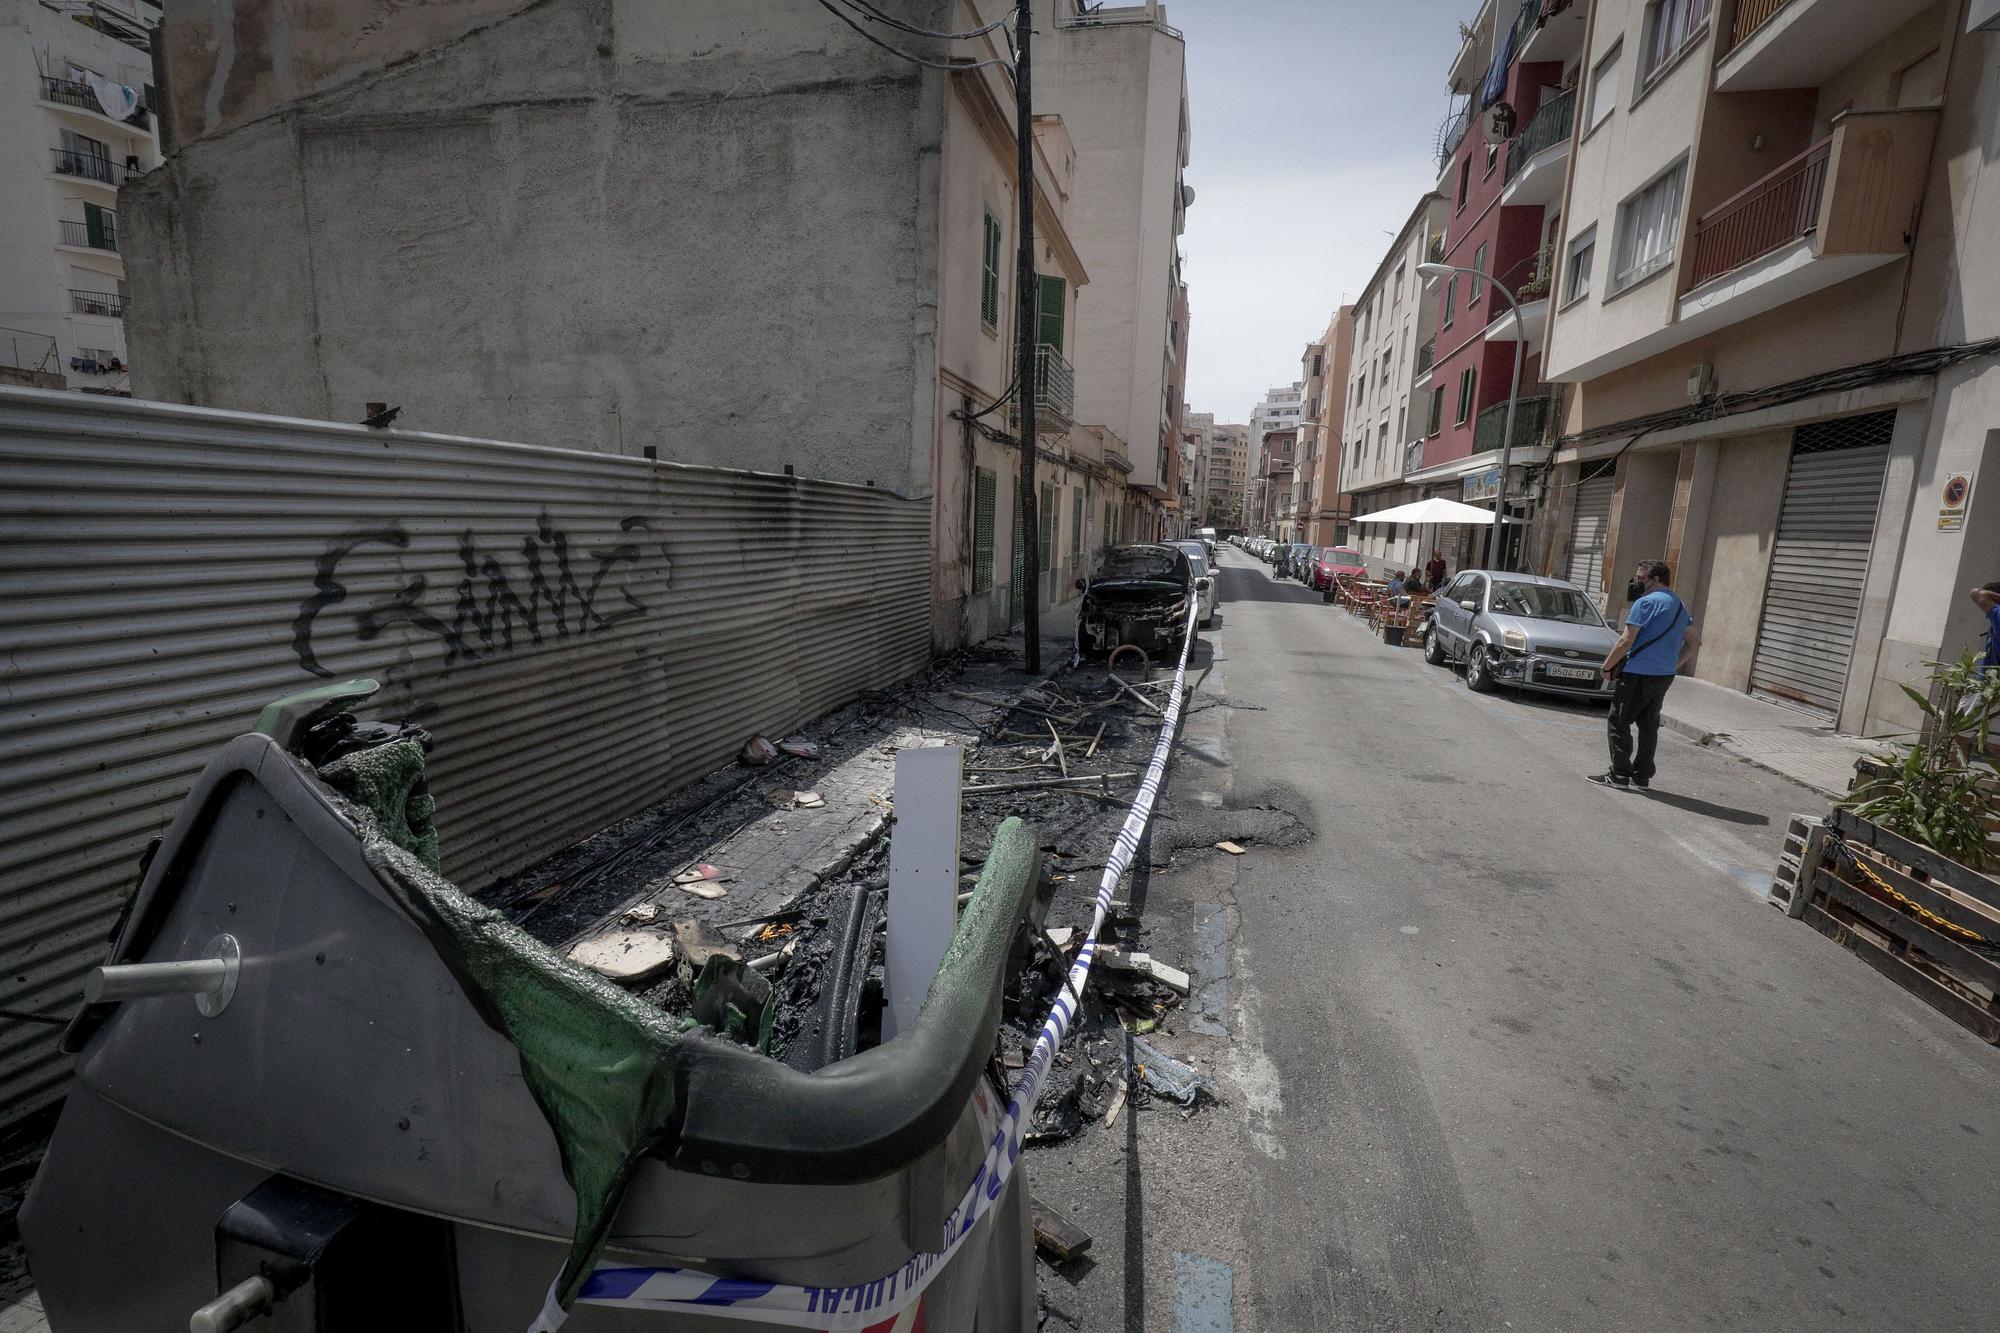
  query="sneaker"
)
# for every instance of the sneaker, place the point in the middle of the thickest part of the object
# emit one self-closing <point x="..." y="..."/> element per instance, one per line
<point x="1611" y="780"/>
<point x="1643" y="784"/>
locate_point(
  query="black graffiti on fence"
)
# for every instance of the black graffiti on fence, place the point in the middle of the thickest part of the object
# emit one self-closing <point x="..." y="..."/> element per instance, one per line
<point x="487" y="611"/>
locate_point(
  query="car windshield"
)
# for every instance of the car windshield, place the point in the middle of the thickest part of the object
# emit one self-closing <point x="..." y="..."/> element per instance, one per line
<point x="1139" y="562"/>
<point x="1337" y="555"/>
<point x="1544" y="601"/>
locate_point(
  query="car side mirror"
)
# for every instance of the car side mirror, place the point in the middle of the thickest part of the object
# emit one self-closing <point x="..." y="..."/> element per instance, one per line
<point x="1469" y="603"/>
<point x="1081" y="585"/>
<point x="1201" y="585"/>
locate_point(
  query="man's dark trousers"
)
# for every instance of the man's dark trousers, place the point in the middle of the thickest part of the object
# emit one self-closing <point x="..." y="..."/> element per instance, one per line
<point x="1635" y="702"/>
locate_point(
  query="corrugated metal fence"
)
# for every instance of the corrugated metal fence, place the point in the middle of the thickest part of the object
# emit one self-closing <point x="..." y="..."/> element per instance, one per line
<point x="582" y="633"/>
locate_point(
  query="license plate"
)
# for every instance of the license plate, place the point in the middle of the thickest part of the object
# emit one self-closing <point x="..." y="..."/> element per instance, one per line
<point x="1572" y="673"/>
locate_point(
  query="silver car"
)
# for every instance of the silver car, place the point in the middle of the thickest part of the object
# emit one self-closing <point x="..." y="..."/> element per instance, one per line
<point x="1520" y="630"/>
<point x="1204" y="580"/>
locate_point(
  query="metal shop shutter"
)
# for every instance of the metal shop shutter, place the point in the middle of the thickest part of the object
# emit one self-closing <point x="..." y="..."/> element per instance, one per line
<point x="1812" y="600"/>
<point x="1587" y="533"/>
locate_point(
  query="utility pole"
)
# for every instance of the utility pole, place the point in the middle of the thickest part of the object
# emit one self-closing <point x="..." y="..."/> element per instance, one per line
<point x="1026" y="289"/>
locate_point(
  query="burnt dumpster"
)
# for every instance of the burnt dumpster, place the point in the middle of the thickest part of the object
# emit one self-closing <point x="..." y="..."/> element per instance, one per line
<point x="319" y="1088"/>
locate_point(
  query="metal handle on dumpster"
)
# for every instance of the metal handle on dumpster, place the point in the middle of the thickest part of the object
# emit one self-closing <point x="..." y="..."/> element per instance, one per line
<point x="211" y="980"/>
<point x="252" y="1298"/>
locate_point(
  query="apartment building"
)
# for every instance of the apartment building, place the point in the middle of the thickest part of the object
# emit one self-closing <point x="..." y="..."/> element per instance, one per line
<point x="77" y="96"/>
<point x="1117" y="75"/>
<point x="1518" y="68"/>
<point x="1228" y="459"/>
<point x="1281" y="409"/>
<point x="1387" y="392"/>
<point x="1776" y="303"/>
<point x="1319" y="499"/>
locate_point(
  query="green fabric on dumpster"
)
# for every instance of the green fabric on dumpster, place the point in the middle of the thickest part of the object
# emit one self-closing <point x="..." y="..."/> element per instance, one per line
<point x="598" y="1061"/>
<point x="388" y="782"/>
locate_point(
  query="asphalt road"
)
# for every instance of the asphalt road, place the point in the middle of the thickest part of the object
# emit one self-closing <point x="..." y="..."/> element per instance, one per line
<point x="1508" y="1050"/>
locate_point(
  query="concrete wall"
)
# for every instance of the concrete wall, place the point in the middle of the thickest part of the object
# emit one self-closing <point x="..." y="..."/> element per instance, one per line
<point x="1641" y="512"/>
<point x="703" y="230"/>
<point x="1734" y="552"/>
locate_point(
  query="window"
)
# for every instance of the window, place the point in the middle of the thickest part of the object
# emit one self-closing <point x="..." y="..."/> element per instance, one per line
<point x="1396" y="287"/>
<point x="1603" y="88"/>
<point x="1648" y="224"/>
<point x="1435" y="422"/>
<point x="984" y="486"/>
<point x="1319" y="368"/>
<point x="1478" y="287"/>
<point x="1450" y="298"/>
<point x="1670" y="25"/>
<point x="1467" y="380"/>
<point x="1385" y="366"/>
<point x="1049" y="297"/>
<point x="989" y="277"/>
<point x="1464" y="180"/>
<point x="1492" y="156"/>
<point x="1402" y="418"/>
<point x="1576" y="270"/>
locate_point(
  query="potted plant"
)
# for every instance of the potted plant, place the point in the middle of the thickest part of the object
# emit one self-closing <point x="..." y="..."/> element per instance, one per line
<point x="1937" y="792"/>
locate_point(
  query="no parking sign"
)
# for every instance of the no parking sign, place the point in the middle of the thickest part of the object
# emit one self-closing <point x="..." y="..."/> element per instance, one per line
<point x="1957" y="491"/>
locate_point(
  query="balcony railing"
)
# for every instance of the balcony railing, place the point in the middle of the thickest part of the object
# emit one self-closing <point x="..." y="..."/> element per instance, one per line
<point x="1451" y="134"/>
<point x="1774" y="212"/>
<point x="88" y="166"/>
<point x="1426" y="355"/>
<point x="1413" y="457"/>
<point x="1530" y="415"/>
<point x="26" y="350"/>
<point x="1750" y="16"/>
<point x="1549" y="126"/>
<point x="74" y="92"/>
<point x="103" y="237"/>
<point x="1055" y="382"/>
<point x="97" y="303"/>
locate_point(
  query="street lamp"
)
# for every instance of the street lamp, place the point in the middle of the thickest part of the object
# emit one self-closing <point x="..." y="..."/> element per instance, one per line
<point x="1432" y="272"/>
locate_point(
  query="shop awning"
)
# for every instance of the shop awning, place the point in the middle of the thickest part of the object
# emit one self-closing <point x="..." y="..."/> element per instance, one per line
<point x="1437" y="509"/>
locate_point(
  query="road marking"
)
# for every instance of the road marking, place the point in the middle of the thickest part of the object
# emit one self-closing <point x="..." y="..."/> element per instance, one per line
<point x="1252" y="1072"/>
<point x="1204" y="1295"/>
<point x="1211" y="964"/>
<point x="1411" y="930"/>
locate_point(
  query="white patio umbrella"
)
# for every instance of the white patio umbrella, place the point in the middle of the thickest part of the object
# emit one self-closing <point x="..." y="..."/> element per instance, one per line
<point x="1437" y="509"/>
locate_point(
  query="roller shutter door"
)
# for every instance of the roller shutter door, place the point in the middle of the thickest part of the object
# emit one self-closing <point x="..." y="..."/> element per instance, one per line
<point x="1588" y="529"/>
<point x="1819" y="562"/>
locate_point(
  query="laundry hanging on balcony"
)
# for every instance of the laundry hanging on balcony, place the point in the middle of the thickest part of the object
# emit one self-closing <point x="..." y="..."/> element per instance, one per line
<point x="119" y="102"/>
<point x="1505" y="47"/>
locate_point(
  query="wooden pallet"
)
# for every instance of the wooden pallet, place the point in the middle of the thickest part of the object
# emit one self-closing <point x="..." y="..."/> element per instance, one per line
<point x="1936" y="964"/>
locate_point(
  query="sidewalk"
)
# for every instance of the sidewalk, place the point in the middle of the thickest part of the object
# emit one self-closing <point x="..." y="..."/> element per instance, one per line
<point x="1788" y="742"/>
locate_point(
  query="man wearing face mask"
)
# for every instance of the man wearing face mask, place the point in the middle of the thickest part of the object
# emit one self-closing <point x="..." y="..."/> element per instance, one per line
<point x="1659" y="637"/>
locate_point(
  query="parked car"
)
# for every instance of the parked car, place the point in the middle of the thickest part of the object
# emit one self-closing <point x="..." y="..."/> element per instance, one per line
<point x="1207" y="538"/>
<point x="1301" y="562"/>
<point x="1204" y="579"/>
<point x="1520" y="630"/>
<point x="1137" y="595"/>
<point x="1337" y="562"/>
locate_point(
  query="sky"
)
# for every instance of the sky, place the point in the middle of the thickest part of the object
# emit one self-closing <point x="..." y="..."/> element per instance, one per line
<point x="1311" y="125"/>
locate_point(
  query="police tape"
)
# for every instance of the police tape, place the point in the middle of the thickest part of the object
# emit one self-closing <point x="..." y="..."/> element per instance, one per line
<point x="870" y="1304"/>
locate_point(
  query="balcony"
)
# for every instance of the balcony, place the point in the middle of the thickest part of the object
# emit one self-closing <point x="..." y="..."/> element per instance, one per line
<point x="97" y="303"/>
<point x="1426" y="357"/>
<point x="76" y="95"/>
<point x="89" y="167"/>
<point x="1530" y="416"/>
<point x="1451" y="134"/>
<point x="1055" y="387"/>
<point x="1413" y="457"/>
<point x="1537" y="156"/>
<point x="104" y="236"/>
<point x="1840" y="208"/>
<point x="1558" y="33"/>
<point x="1800" y="43"/>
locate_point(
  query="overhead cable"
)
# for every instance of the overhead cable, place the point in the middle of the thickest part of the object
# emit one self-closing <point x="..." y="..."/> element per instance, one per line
<point x="869" y="11"/>
<point x="947" y="65"/>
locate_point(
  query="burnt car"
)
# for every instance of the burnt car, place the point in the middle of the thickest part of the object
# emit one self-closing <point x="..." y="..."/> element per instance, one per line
<point x="1137" y="595"/>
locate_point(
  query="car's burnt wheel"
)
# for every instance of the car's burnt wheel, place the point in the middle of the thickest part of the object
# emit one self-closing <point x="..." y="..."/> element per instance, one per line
<point x="1478" y="671"/>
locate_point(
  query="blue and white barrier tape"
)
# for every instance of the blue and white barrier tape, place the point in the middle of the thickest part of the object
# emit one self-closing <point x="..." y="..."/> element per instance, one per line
<point x="859" y="1307"/>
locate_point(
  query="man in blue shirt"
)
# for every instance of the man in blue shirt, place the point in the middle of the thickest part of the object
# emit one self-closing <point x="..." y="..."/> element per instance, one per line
<point x="1659" y="637"/>
<point x="1987" y="598"/>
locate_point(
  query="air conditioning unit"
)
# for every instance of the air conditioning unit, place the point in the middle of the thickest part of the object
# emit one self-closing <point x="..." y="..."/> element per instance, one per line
<point x="1701" y="382"/>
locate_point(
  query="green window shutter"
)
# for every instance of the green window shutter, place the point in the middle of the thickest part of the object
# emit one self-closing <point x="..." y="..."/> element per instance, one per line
<point x="99" y="227"/>
<point x="983" y="489"/>
<point x="1076" y="527"/>
<point x="1045" y="524"/>
<point x="989" y="278"/>
<point x="1049" y="295"/>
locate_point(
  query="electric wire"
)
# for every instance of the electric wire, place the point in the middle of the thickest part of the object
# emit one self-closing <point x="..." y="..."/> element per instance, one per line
<point x="869" y="11"/>
<point x="946" y="65"/>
